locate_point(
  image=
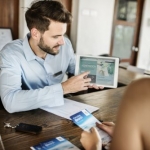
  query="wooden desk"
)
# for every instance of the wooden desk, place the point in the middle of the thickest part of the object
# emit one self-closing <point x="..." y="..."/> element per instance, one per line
<point x="108" y="102"/>
<point x="126" y="76"/>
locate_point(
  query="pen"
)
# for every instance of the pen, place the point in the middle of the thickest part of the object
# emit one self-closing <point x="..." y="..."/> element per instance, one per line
<point x="2" y="143"/>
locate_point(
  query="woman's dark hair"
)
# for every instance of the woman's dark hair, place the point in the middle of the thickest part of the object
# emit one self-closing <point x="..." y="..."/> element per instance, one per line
<point x="41" y="12"/>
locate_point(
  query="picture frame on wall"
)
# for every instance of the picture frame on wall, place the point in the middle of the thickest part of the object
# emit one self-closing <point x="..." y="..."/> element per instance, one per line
<point x="5" y="37"/>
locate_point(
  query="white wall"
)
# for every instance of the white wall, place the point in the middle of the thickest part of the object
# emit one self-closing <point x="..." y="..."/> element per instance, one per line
<point x="144" y="45"/>
<point x="23" y="30"/>
<point x="74" y="24"/>
<point x="93" y="25"/>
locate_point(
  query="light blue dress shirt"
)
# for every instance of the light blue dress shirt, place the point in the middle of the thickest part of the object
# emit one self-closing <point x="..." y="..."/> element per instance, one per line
<point x="27" y="81"/>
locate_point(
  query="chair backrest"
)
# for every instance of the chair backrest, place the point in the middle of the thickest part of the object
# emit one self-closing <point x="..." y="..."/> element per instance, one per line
<point x="1" y="105"/>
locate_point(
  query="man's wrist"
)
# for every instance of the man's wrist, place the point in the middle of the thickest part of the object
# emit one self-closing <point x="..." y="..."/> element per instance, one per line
<point x="63" y="87"/>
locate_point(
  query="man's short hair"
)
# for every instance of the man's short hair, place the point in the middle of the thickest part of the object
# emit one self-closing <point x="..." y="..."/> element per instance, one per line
<point x="42" y="12"/>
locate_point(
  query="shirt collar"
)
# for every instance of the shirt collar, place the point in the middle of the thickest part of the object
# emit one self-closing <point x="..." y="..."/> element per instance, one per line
<point x="29" y="54"/>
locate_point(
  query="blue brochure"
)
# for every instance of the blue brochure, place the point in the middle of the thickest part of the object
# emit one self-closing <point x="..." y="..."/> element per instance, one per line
<point x="85" y="120"/>
<point x="58" y="143"/>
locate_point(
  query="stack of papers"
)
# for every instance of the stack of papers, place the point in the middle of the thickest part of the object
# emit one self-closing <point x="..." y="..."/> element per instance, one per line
<point x="69" y="108"/>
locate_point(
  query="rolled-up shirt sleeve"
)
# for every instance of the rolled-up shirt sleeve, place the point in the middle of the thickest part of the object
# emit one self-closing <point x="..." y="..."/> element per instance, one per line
<point x="15" y="99"/>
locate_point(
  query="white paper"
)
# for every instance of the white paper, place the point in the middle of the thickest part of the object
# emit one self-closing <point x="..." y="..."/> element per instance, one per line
<point x="69" y="108"/>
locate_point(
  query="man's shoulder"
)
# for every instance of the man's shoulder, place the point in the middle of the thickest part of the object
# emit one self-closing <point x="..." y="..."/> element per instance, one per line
<point x="12" y="50"/>
<point x="13" y="46"/>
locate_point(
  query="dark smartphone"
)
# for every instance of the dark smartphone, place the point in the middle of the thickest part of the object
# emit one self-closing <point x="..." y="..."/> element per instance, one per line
<point x="23" y="127"/>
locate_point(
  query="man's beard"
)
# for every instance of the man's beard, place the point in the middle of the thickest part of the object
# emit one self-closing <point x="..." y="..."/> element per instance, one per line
<point x="46" y="48"/>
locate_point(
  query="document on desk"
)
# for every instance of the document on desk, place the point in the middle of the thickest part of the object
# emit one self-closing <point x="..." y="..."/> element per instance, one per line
<point x="55" y="144"/>
<point x="69" y="108"/>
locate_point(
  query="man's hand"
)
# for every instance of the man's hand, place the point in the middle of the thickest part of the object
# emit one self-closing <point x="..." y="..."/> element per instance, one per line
<point x="96" y="87"/>
<point x="76" y="83"/>
<point x="91" y="140"/>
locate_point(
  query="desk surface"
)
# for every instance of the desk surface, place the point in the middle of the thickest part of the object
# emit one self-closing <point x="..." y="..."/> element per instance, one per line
<point x="126" y="76"/>
<point x="53" y="126"/>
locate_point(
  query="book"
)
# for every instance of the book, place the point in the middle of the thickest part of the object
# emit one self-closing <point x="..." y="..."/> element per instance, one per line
<point x="85" y="120"/>
<point x="58" y="143"/>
